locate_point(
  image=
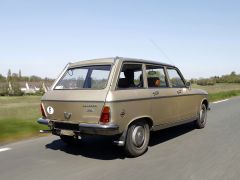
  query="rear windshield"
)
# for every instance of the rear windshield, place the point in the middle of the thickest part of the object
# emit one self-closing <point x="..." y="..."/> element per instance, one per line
<point x="90" y="77"/>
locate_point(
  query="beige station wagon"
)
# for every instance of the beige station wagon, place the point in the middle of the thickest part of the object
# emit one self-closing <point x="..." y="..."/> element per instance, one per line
<point x="122" y="97"/>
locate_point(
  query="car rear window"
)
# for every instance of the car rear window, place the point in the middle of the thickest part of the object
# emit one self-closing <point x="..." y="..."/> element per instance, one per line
<point x="90" y="77"/>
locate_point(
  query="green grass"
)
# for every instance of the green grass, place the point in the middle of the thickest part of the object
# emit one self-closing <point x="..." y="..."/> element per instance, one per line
<point x="220" y="87"/>
<point x="15" y="129"/>
<point x="223" y="95"/>
<point x="18" y="117"/>
<point x="220" y="91"/>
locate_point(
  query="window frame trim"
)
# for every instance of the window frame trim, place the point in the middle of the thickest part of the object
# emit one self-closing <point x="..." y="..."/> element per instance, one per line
<point x="143" y="72"/>
<point x="166" y="77"/>
<point x="179" y="73"/>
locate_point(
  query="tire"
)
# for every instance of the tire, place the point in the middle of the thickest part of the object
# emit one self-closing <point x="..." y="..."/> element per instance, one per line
<point x="69" y="140"/>
<point x="137" y="139"/>
<point x="202" y="117"/>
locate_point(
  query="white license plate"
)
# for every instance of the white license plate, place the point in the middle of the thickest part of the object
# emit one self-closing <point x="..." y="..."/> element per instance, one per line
<point x="67" y="132"/>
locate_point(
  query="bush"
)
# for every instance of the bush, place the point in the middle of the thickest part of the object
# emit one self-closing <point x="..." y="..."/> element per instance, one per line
<point x="15" y="91"/>
<point x="206" y="82"/>
<point x="4" y="90"/>
<point x="40" y="92"/>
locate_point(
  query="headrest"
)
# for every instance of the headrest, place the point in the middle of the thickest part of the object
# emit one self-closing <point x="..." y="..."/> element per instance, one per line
<point x="123" y="83"/>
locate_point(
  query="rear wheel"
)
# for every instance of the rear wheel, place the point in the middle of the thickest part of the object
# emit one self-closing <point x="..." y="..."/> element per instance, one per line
<point x="202" y="117"/>
<point x="137" y="139"/>
<point x="69" y="140"/>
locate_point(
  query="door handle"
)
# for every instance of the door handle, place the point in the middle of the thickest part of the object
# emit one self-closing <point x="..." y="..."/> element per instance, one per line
<point x="155" y="93"/>
<point x="179" y="91"/>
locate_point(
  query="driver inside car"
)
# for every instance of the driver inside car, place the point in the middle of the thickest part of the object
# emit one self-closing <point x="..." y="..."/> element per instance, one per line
<point x="129" y="76"/>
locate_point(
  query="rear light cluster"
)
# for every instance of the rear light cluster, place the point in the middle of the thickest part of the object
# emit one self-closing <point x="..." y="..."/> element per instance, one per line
<point x="42" y="110"/>
<point x="105" y="116"/>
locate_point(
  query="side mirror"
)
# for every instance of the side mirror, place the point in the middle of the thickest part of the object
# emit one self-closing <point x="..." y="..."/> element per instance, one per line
<point x="188" y="84"/>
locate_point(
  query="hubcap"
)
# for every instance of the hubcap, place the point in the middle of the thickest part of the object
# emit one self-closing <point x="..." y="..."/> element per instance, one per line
<point x="203" y="115"/>
<point x="138" y="136"/>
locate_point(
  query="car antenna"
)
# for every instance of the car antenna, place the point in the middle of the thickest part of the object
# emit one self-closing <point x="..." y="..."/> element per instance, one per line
<point x="161" y="51"/>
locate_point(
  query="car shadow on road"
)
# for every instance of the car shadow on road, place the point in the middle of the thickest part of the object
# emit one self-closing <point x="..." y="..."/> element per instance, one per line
<point x="102" y="148"/>
<point x="95" y="147"/>
<point x="164" y="135"/>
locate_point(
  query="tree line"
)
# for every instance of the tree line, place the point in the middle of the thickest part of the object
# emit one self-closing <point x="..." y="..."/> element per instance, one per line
<point x="17" y="77"/>
<point x="10" y="84"/>
<point x="233" y="77"/>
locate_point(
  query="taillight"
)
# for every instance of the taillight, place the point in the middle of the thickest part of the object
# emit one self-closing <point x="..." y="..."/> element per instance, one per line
<point x="42" y="111"/>
<point x="105" y="116"/>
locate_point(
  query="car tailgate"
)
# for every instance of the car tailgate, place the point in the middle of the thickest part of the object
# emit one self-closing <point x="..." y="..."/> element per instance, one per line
<point x="81" y="106"/>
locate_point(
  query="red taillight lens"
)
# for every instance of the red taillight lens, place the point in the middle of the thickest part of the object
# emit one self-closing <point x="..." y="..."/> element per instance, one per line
<point x="42" y="111"/>
<point x="105" y="116"/>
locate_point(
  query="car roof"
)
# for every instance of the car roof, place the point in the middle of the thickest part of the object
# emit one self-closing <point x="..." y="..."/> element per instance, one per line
<point x="100" y="61"/>
<point x="145" y="61"/>
<point x="110" y="60"/>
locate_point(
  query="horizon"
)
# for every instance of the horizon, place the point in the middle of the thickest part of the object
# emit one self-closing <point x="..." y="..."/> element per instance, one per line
<point x="43" y="77"/>
<point x="201" y="38"/>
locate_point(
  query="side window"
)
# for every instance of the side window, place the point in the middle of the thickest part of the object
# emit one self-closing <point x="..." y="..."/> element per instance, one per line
<point x="156" y="76"/>
<point x="131" y="76"/>
<point x="175" y="79"/>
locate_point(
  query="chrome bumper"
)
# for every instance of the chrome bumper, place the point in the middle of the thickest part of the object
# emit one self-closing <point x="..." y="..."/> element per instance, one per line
<point x="98" y="129"/>
<point x="43" y="121"/>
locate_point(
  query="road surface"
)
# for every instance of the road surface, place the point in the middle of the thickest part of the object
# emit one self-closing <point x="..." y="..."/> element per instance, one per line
<point x="177" y="153"/>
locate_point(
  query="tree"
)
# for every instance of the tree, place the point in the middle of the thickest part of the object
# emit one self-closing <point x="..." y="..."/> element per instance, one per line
<point x="34" y="78"/>
<point x="20" y="73"/>
<point x="3" y="89"/>
<point x="9" y="75"/>
<point x="233" y="73"/>
<point x="16" y="91"/>
<point x="2" y="78"/>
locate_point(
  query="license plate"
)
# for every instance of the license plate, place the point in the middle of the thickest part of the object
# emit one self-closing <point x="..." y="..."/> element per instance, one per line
<point x="67" y="132"/>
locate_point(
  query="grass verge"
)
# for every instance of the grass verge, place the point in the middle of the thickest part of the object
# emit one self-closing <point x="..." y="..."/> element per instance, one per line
<point x="18" y="117"/>
<point x="14" y="129"/>
<point x="223" y="95"/>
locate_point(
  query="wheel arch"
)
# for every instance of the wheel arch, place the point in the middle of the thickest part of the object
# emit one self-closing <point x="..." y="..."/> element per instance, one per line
<point x="205" y="102"/>
<point x="147" y="119"/>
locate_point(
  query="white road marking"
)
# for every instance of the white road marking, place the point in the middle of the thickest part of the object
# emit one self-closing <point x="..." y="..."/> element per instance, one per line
<point x="5" y="149"/>
<point x="216" y="102"/>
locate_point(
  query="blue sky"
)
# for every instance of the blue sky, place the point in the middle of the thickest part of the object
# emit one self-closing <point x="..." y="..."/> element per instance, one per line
<point x="202" y="37"/>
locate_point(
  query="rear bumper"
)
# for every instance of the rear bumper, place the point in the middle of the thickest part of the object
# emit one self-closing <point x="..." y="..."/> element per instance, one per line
<point x="83" y="128"/>
<point x="43" y="121"/>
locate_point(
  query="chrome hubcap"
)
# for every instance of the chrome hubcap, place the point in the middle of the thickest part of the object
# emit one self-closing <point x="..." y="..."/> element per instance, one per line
<point x="138" y="136"/>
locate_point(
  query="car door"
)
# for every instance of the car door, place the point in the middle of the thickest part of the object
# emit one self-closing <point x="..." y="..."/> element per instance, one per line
<point x="183" y="99"/>
<point x="163" y="107"/>
<point x="131" y="97"/>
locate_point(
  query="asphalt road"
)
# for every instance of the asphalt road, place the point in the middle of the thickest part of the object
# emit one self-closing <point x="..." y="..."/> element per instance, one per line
<point x="177" y="153"/>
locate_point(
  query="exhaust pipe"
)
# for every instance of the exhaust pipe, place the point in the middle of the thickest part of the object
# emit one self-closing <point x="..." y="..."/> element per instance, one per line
<point x="119" y="143"/>
<point x="45" y="131"/>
